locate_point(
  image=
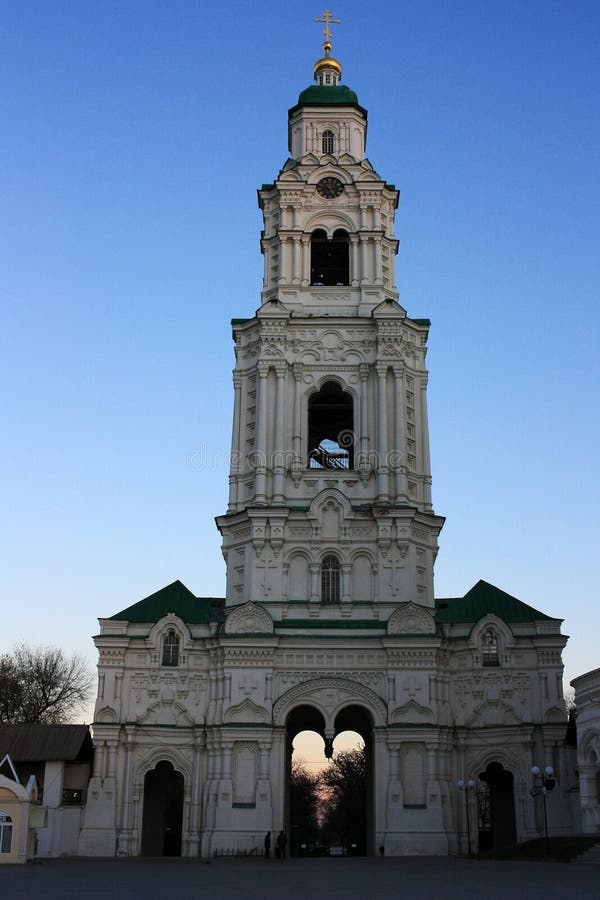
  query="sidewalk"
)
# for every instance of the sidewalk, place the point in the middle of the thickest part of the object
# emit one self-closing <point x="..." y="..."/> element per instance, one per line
<point x="413" y="878"/>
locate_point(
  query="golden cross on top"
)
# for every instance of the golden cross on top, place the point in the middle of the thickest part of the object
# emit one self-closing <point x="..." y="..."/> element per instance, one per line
<point x="328" y="20"/>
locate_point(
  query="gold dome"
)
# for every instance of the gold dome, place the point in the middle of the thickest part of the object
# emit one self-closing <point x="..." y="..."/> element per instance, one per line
<point x="327" y="63"/>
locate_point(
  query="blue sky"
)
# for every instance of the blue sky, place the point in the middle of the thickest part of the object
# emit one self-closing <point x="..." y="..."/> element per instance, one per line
<point x="135" y="137"/>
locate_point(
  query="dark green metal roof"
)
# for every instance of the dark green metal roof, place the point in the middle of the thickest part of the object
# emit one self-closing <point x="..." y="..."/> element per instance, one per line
<point x="483" y="599"/>
<point x="174" y="598"/>
<point x="328" y="95"/>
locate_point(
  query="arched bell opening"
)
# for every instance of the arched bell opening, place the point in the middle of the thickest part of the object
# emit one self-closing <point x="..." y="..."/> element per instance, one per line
<point x="496" y="808"/>
<point x="162" y="815"/>
<point x="331" y="428"/>
<point x="330" y="258"/>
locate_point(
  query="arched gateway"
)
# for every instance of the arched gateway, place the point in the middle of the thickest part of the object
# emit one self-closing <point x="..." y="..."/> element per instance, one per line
<point x="330" y="537"/>
<point x="357" y="834"/>
<point x="329" y="707"/>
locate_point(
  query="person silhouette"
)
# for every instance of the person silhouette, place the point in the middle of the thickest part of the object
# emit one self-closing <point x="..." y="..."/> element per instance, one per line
<point x="281" y="844"/>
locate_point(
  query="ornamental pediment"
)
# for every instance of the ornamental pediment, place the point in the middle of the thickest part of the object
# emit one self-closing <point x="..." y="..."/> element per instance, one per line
<point x="249" y="619"/>
<point x="166" y="713"/>
<point x="290" y="175"/>
<point x="412" y="712"/>
<point x="411" y="619"/>
<point x="493" y="713"/>
<point x="246" y="712"/>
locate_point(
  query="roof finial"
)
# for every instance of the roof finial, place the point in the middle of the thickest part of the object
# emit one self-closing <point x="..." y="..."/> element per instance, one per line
<point x="327" y="71"/>
<point x="328" y="20"/>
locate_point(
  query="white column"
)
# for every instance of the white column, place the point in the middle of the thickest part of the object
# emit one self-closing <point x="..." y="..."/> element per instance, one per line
<point x="297" y="270"/>
<point x="297" y="434"/>
<point x="111" y="768"/>
<point x="354" y="280"/>
<point x="125" y="816"/>
<point x="260" y="447"/>
<point x="425" y="445"/>
<point x="99" y="756"/>
<point x="364" y="418"/>
<point x="383" y="491"/>
<point x="234" y="464"/>
<point x="283" y="259"/>
<point x="279" y="451"/>
<point x="364" y="259"/>
<point x="346" y="570"/>
<point x="400" y="436"/>
<point x="305" y="260"/>
<point x="377" y="260"/>
<point x="314" y="583"/>
<point x="392" y="258"/>
<point x="226" y="772"/>
<point x="267" y="253"/>
<point x="363" y="210"/>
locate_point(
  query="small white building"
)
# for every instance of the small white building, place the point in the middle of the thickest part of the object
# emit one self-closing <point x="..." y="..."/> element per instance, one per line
<point x="59" y="758"/>
<point x="18" y="814"/>
<point x="587" y="703"/>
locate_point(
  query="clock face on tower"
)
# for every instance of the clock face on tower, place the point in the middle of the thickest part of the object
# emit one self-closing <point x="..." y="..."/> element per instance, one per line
<point x="330" y="188"/>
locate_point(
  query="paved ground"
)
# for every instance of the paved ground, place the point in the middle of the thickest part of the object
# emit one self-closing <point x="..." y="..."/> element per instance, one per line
<point x="296" y="879"/>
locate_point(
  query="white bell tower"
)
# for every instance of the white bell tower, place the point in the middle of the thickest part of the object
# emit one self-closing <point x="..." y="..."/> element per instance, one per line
<point x="330" y="486"/>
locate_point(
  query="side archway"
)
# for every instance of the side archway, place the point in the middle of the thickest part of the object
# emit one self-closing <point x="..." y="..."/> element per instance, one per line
<point x="162" y="816"/>
<point x="496" y="807"/>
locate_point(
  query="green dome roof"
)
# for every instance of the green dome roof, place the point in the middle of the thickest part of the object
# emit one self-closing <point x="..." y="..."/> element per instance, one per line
<point x="328" y="95"/>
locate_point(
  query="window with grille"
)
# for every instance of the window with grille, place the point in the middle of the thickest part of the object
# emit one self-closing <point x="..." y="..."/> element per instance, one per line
<point x="327" y="142"/>
<point x="489" y="649"/>
<point x="330" y="579"/>
<point x="6" y="831"/>
<point x="170" y="654"/>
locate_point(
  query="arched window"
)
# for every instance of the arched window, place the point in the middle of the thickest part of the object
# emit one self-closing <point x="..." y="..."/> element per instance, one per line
<point x="327" y="141"/>
<point x="489" y="648"/>
<point x="330" y="258"/>
<point x="330" y="579"/>
<point x="170" y="651"/>
<point x="330" y="428"/>
<point x="6" y="832"/>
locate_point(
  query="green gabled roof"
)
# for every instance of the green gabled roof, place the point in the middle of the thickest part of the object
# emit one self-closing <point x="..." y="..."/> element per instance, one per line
<point x="174" y="598"/>
<point x="328" y="95"/>
<point x="483" y="599"/>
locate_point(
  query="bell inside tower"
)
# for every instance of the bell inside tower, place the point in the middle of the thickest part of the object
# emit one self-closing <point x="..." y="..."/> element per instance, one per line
<point x="330" y="258"/>
<point x="331" y="428"/>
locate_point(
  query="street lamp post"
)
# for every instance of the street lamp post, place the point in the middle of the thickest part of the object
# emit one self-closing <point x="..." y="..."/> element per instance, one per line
<point x="467" y="786"/>
<point x="547" y="782"/>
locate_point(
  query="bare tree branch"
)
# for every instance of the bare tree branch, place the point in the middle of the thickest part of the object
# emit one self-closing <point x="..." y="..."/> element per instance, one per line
<point x="42" y="684"/>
